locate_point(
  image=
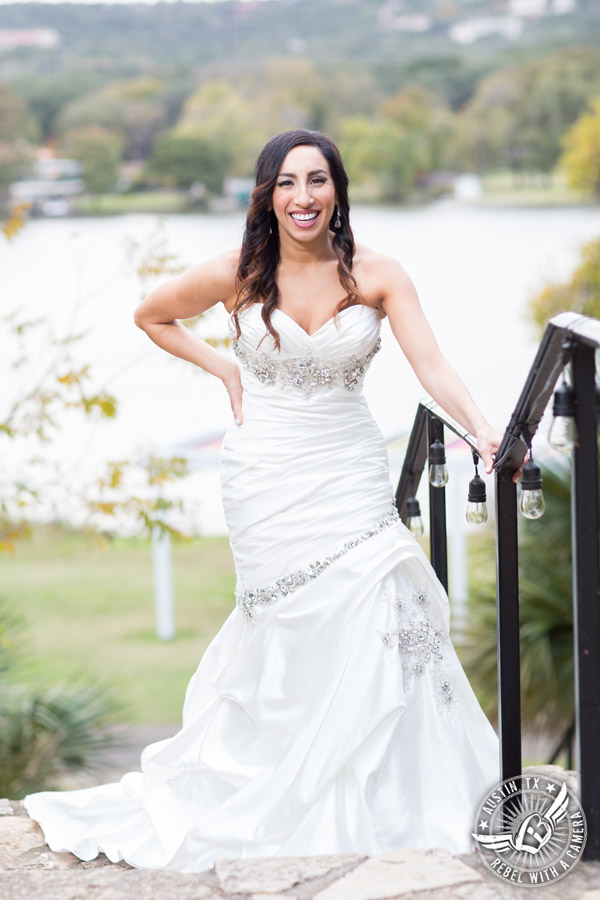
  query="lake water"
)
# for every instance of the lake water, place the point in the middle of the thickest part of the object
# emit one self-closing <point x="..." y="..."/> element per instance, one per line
<point x="474" y="268"/>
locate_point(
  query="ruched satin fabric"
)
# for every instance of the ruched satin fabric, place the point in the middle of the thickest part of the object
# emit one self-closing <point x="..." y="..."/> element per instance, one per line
<point x="321" y="725"/>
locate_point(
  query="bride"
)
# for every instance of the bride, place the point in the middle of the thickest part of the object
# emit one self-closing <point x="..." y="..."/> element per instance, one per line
<point x="330" y="714"/>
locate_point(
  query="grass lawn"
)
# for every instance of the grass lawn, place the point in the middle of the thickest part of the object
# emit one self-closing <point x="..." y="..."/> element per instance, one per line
<point x="143" y="201"/>
<point x="505" y="189"/>
<point x="87" y="608"/>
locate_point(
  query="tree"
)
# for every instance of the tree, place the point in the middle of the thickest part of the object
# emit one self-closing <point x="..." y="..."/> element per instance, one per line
<point x="223" y="116"/>
<point x="180" y="158"/>
<point x="135" y="109"/>
<point x="31" y="414"/>
<point x="580" y="293"/>
<point x="99" y="152"/>
<point x="16" y="133"/>
<point x="518" y="115"/>
<point x="380" y="154"/>
<point x="405" y="138"/>
<point x="581" y="154"/>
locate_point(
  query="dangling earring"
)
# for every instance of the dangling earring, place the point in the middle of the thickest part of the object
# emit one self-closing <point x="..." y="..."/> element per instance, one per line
<point x="338" y="221"/>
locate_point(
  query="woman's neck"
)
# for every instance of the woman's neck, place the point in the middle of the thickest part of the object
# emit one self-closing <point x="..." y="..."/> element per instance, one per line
<point x="304" y="253"/>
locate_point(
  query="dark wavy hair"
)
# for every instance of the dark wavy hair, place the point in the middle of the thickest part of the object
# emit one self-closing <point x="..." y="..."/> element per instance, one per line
<point x="255" y="279"/>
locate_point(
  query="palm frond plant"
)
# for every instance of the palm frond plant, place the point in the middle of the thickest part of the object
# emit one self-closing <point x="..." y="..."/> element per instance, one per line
<point x="47" y="733"/>
<point x="545" y="614"/>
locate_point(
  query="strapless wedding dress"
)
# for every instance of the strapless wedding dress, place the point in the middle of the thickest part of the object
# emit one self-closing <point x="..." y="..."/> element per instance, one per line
<point x="330" y="714"/>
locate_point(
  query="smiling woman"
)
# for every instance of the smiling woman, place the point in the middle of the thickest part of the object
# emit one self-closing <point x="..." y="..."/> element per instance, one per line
<point x="330" y="714"/>
<point x="302" y="198"/>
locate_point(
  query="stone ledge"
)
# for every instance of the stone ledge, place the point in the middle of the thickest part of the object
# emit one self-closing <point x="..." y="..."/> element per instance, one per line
<point x="29" y="870"/>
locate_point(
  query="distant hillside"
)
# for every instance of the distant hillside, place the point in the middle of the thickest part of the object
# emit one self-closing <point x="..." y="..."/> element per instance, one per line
<point x="139" y="37"/>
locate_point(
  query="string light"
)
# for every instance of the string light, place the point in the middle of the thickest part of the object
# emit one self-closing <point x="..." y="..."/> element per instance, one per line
<point x="477" y="513"/>
<point x="438" y="472"/>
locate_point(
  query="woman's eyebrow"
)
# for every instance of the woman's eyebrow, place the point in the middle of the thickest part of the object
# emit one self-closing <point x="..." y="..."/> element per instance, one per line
<point x="293" y="175"/>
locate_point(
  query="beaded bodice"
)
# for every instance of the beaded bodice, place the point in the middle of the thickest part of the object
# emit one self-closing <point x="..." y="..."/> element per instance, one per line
<point x="308" y="363"/>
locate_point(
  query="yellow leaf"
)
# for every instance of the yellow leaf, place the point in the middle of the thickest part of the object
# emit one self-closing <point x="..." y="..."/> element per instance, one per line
<point x="16" y="221"/>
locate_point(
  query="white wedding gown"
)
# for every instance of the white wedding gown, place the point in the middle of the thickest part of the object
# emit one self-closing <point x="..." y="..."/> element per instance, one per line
<point x="330" y="714"/>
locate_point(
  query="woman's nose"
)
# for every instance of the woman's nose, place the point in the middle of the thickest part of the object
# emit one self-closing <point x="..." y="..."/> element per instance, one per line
<point x="303" y="195"/>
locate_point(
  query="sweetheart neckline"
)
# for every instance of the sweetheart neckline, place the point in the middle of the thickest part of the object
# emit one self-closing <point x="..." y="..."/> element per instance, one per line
<point x="329" y="320"/>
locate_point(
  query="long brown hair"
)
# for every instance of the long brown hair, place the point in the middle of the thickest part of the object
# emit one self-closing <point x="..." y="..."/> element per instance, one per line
<point x="255" y="279"/>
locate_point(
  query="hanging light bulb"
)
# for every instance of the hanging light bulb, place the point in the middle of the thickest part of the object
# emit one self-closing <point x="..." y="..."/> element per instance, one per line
<point x="477" y="513"/>
<point x="532" y="499"/>
<point x="414" y="520"/>
<point x="563" y="432"/>
<point x="438" y="473"/>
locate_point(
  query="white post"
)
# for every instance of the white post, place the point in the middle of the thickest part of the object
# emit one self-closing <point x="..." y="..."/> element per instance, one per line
<point x="458" y="539"/>
<point x="163" y="584"/>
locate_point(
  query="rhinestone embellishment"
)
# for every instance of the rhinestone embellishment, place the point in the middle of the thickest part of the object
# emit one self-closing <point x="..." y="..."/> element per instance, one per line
<point x="306" y="373"/>
<point x="247" y="600"/>
<point x="421" y="644"/>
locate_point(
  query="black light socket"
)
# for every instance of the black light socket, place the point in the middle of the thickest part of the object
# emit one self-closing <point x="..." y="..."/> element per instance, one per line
<point x="477" y="490"/>
<point x="531" y="479"/>
<point x="437" y="454"/>
<point x="564" y="401"/>
<point x="413" y="509"/>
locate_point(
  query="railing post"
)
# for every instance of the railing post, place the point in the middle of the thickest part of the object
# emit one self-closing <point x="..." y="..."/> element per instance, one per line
<point x="586" y="597"/>
<point x="507" y="605"/>
<point x="438" y="540"/>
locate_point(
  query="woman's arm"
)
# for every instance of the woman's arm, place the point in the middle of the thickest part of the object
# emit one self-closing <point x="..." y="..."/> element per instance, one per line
<point x="417" y="341"/>
<point x="184" y="297"/>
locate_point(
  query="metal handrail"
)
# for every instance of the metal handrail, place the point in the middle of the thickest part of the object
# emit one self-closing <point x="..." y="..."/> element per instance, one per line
<point x="573" y="338"/>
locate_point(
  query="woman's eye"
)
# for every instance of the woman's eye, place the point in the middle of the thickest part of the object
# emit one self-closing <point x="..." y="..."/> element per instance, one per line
<point x="283" y="183"/>
<point x="319" y="180"/>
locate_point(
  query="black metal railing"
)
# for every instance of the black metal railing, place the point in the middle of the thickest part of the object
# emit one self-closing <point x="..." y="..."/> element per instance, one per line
<point x="568" y="339"/>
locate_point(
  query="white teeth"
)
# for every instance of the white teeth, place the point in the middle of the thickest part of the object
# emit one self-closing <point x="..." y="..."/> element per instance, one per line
<point x="306" y="217"/>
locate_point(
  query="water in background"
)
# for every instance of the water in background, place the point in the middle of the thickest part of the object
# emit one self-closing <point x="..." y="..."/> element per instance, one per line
<point x="474" y="269"/>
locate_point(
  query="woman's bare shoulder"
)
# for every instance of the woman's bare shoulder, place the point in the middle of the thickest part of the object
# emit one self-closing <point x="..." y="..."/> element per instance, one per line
<point x="372" y="261"/>
<point x="376" y="273"/>
<point x="218" y="274"/>
<point x="225" y="265"/>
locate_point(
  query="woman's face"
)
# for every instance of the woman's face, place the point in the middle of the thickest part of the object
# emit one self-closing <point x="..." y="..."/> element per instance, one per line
<point x="304" y="196"/>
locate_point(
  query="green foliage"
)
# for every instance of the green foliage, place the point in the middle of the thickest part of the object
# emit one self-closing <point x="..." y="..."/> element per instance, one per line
<point x="221" y="115"/>
<point x="581" y="155"/>
<point x="135" y="110"/>
<point x="580" y="293"/>
<point x="518" y="115"/>
<point x="45" y="733"/>
<point x="404" y="139"/>
<point x="217" y="80"/>
<point x="13" y="114"/>
<point x="545" y="613"/>
<point x="99" y="152"/>
<point x="181" y="158"/>
<point x="16" y="131"/>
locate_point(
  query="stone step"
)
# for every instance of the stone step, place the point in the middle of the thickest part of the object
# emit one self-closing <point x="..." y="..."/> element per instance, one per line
<point x="29" y="870"/>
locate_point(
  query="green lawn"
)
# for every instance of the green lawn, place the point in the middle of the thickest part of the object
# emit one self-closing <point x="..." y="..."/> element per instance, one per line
<point x="87" y="607"/>
<point x="141" y="201"/>
<point x="503" y="188"/>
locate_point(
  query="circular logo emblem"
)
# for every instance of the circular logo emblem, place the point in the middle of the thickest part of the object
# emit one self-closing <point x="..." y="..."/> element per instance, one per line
<point x="530" y="830"/>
